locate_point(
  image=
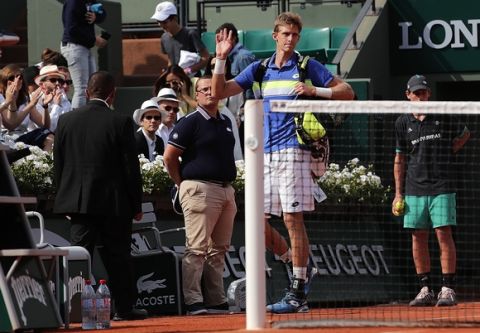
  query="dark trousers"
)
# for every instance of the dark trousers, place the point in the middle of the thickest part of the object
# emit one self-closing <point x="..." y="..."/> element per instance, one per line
<point x="114" y="233"/>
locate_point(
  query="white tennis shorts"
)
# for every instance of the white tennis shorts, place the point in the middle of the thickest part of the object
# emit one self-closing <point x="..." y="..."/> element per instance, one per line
<point x="288" y="183"/>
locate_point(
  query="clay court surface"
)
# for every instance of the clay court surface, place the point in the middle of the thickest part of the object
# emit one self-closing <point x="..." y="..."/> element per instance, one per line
<point x="462" y="315"/>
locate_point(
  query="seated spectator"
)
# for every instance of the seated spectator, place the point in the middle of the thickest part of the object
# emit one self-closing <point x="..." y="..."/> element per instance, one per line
<point x="17" y="109"/>
<point x="174" y="77"/>
<point x="169" y="104"/>
<point x="54" y="101"/>
<point x="149" y="118"/>
<point x="50" y="82"/>
<point x="61" y="104"/>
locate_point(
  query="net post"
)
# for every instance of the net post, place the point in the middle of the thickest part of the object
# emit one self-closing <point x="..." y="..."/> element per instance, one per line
<point x="254" y="219"/>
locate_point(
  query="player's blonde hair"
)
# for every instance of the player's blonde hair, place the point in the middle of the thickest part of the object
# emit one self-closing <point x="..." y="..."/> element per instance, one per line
<point x="286" y="19"/>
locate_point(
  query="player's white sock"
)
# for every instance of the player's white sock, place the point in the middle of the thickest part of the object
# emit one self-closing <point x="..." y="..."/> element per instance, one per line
<point x="300" y="273"/>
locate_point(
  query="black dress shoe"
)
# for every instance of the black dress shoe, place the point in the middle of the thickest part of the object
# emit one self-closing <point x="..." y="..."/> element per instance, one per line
<point x="134" y="314"/>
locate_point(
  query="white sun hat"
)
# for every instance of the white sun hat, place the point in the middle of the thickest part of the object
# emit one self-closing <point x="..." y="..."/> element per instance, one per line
<point x="148" y="105"/>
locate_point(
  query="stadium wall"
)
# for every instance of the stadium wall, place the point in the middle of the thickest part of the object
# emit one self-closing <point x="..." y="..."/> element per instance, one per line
<point x="427" y="37"/>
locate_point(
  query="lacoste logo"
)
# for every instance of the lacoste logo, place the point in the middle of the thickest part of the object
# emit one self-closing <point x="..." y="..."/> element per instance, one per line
<point x="296" y="76"/>
<point x="295" y="204"/>
<point x="149" y="285"/>
<point x="409" y="130"/>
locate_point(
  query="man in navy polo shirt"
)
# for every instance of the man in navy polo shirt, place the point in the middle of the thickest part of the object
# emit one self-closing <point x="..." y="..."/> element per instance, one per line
<point x="424" y="178"/>
<point x="204" y="141"/>
<point x="288" y="182"/>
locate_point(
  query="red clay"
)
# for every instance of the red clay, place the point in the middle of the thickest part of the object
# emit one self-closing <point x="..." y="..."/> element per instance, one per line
<point x="458" y="315"/>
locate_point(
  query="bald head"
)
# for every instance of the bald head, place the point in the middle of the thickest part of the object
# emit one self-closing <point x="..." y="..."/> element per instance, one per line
<point x="101" y="85"/>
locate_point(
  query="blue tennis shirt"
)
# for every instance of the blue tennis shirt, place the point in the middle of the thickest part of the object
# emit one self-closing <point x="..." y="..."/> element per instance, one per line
<point x="278" y="84"/>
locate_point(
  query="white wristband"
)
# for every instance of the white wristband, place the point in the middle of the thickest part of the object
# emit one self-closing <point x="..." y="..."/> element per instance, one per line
<point x="323" y="92"/>
<point x="219" y="66"/>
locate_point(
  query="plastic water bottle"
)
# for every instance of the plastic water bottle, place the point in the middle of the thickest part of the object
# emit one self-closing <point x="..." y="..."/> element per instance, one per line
<point x="88" y="306"/>
<point x="103" y="306"/>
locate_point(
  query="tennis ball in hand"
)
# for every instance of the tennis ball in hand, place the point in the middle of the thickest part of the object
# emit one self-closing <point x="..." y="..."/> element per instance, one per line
<point x="399" y="208"/>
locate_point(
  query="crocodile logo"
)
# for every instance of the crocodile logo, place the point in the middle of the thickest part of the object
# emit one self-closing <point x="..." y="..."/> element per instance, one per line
<point x="143" y="284"/>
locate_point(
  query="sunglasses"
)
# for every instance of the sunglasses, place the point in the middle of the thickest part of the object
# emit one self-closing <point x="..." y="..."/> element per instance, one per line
<point x="174" y="82"/>
<point x="55" y="80"/>
<point x="169" y="108"/>
<point x="69" y="82"/>
<point x="157" y="118"/>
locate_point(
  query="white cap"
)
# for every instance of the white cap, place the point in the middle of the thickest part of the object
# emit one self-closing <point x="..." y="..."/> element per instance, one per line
<point x="149" y="105"/>
<point x="164" y="10"/>
<point x="166" y="94"/>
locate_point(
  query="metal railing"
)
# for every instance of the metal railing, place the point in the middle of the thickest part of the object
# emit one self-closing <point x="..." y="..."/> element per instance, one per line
<point x="203" y="4"/>
<point x="281" y="5"/>
<point x="351" y="37"/>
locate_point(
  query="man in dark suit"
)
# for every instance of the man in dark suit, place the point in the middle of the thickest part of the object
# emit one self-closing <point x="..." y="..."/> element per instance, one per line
<point x="149" y="118"/>
<point x="99" y="185"/>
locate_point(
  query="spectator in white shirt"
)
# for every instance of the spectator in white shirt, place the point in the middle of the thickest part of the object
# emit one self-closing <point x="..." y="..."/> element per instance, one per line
<point x="169" y="104"/>
<point x="51" y="82"/>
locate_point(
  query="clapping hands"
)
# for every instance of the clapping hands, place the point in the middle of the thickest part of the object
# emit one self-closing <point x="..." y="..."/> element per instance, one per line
<point x="13" y="87"/>
<point x="35" y="96"/>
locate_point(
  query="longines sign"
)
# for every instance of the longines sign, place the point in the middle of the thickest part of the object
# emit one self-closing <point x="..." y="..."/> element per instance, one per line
<point x="454" y="32"/>
<point x="432" y="36"/>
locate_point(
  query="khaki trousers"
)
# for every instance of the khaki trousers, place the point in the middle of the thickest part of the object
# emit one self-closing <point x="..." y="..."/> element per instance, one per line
<point x="209" y="211"/>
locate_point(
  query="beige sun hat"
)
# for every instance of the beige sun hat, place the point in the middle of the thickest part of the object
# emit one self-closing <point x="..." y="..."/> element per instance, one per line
<point x="148" y="105"/>
<point x="49" y="70"/>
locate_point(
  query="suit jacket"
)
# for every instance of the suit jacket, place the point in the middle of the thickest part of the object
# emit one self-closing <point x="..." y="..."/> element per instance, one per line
<point x="142" y="145"/>
<point x="96" y="165"/>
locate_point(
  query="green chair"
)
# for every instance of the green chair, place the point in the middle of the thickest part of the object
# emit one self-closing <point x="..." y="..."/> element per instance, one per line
<point x="208" y="38"/>
<point x="338" y="34"/>
<point x="313" y="42"/>
<point x="333" y="68"/>
<point x="259" y="42"/>
<point x="241" y="37"/>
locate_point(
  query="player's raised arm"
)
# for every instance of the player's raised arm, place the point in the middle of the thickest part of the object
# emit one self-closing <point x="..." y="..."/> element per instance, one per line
<point x="221" y="88"/>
